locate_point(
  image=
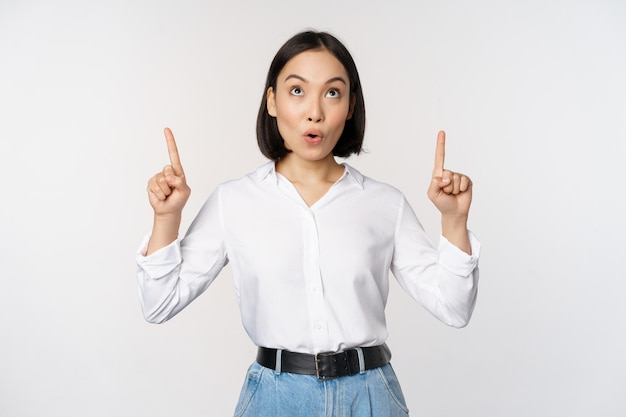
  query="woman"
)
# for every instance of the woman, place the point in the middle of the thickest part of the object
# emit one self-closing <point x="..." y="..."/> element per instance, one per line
<point x="310" y="242"/>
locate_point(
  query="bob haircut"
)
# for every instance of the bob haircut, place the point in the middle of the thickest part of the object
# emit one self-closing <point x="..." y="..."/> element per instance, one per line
<point x="350" y="142"/>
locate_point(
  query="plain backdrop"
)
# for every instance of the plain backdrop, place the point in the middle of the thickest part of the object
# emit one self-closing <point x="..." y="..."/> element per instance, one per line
<point x="532" y="95"/>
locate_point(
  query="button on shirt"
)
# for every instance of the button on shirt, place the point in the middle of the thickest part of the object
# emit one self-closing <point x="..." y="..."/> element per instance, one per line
<point x="310" y="279"/>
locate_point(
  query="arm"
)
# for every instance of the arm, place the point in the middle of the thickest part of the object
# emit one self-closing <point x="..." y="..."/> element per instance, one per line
<point x="173" y="276"/>
<point x="442" y="278"/>
<point x="166" y="283"/>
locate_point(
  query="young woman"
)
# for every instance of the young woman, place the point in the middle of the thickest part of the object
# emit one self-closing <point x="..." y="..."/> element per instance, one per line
<point x="311" y="243"/>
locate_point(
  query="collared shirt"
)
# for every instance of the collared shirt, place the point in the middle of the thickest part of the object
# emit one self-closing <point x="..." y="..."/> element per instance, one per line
<point x="310" y="279"/>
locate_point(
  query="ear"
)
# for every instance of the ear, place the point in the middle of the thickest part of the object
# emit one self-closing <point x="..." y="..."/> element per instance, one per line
<point x="271" y="102"/>
<point x="351" y="108"/>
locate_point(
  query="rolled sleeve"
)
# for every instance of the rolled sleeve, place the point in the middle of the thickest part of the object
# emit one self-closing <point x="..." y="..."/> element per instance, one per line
<point x="160" y="263"/>
<point x="456" y="261"/>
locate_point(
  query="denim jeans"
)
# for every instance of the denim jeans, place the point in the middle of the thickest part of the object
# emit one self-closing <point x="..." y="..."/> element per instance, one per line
<point x="374" y="393"/>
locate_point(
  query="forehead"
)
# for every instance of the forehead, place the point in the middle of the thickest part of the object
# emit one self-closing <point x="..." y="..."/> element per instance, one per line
<point x="314" y="65"/>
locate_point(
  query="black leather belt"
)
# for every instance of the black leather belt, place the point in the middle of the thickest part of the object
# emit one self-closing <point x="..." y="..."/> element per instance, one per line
<point x="326" y="365"/>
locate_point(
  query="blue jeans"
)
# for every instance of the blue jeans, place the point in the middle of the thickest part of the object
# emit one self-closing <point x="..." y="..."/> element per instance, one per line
<point x="374" y="393"/>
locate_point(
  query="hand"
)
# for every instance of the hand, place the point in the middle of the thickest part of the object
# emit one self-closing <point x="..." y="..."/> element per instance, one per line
<point x="168" y="190"/>
<point x="451" y="192"/>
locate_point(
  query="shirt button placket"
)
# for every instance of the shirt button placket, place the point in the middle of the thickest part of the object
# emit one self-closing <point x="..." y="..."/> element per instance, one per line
<point x="313" y="277"/>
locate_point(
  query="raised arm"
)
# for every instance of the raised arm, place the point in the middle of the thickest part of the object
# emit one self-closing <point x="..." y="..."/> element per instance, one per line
<point x="451" y="193"/>
<point x="168" y="193"/>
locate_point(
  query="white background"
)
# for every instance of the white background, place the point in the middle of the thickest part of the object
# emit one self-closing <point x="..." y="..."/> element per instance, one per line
<point x="532" y="95"/>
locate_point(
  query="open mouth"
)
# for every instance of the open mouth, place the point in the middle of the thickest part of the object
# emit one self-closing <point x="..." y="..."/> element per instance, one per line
<point x="313" y="135"/>
<point x="313" y="138"/>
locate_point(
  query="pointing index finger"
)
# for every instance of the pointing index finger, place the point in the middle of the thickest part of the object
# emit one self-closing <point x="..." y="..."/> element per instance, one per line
<point x="173" y="151"/>
<point x="440" y="153"/>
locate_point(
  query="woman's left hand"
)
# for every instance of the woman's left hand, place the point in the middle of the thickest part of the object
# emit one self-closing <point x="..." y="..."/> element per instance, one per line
<point x="450" y="192"/>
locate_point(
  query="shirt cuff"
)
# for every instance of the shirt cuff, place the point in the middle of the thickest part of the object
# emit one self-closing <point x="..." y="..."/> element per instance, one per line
<point x="457" y="261"/>
<point x="161" y="262"/>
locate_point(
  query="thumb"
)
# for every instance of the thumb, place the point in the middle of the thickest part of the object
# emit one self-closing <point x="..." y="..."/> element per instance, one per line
<point x="439" y="182"/>
<point x="175" y="181"/>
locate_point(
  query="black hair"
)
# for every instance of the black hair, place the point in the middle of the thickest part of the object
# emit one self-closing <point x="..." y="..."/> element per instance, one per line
<point x="350" y="142"/>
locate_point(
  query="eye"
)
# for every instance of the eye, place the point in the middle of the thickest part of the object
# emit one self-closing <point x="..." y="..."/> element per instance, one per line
<point x="333" y="93"/>
<point x="296" y="91"/>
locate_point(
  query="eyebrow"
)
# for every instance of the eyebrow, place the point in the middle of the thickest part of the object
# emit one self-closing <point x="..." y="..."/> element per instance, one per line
<point x="296" y="76"/>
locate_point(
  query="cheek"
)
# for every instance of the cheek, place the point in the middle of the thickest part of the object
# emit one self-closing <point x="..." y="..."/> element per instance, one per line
<point x="286" y="122"/>
<point x="343" y="110"/>
<point x="339" y="117"/>
<point x="286" y="114"/>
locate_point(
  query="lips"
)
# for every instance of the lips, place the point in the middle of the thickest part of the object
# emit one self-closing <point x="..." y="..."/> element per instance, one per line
<point x="313" y="136"/>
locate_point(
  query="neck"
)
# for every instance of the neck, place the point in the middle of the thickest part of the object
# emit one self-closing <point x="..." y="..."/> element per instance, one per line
<point x="298" y="170"/>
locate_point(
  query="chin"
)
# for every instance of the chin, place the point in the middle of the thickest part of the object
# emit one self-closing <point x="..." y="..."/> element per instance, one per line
<point x="316" y="156"/>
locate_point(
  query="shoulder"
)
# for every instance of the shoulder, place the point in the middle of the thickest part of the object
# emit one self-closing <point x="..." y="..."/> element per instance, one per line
<point x="372" y="186"/>
<point x="254" y="177"/>
<point x="253" y="185"/>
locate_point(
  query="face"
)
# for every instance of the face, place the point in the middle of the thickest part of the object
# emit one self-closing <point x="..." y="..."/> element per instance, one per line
<point x="311" y="103"/>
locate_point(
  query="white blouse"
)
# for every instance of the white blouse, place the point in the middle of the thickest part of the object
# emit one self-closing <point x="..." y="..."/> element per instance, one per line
<point x="310" y="279"/>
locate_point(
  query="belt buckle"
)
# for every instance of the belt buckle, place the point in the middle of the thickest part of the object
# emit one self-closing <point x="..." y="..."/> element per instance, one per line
<point x="317" y="367"/>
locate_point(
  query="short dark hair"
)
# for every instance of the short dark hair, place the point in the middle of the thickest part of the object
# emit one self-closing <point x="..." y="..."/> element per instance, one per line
<point x="350" y="142"/>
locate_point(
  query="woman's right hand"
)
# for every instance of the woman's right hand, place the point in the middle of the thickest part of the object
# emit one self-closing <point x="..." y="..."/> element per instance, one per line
<point x="168" y="191"/>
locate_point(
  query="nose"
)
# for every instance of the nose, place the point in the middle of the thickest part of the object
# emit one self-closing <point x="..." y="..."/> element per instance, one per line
<point x="316" y="113"/>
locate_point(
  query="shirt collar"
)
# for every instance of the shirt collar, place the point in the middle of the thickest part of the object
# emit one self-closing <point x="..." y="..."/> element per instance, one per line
<point x="268" y="170"/>
<point x="264" y="171"/>
<point x="353" y="174"/>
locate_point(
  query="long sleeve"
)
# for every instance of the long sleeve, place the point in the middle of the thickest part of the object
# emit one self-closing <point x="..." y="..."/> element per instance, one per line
<point x="444" y="279"/>
<point x="172" y="277"/>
